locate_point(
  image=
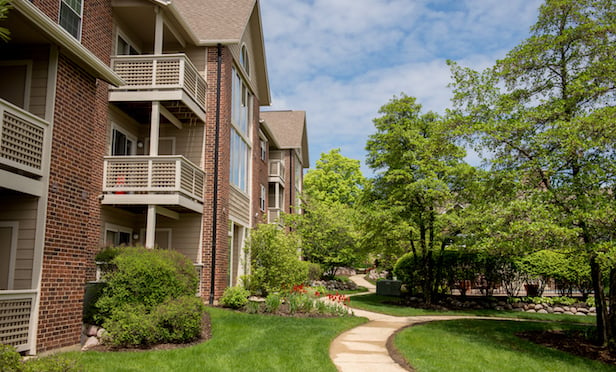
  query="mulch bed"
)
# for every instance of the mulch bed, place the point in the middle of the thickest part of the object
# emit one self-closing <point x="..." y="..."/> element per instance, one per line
<point x="573" y="342"/>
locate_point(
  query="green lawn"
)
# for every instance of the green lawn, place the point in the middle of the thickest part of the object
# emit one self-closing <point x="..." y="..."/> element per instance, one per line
<point x="486" y="345"/>
<point x="386" y="305"/>
<point x="240" y="342"/>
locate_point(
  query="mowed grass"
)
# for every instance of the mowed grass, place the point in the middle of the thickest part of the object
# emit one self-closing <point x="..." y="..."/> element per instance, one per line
<point x="387" y="305"/>
<point x="486" y="345"/>
<point x="240" y="342"/>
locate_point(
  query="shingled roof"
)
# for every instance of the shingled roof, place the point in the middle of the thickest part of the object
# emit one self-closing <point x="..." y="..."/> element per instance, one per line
<point x="289" y="131"/>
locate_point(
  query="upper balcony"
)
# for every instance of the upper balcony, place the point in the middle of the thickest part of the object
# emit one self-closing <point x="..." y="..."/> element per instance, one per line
<point x="171" y="79"/>
<point x="24" y="149"/>
<point x="276" y="171"/>
<point x="170" y="180"/>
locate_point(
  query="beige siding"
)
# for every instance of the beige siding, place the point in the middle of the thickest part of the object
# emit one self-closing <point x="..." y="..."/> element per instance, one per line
<point x="185" y="233"/>
<point x="239" y="207"/>
<point x="188" y="140"/>
<point x="23" y="210"/>
<point x="120" y="217"/>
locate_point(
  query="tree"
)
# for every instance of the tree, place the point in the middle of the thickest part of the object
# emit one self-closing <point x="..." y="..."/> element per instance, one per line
<point x="5" y="6"/>
<point x="546" y="114"/>
<point x="419" y="170"/>
<point x="335" y="179"/>
<point x="328" y="226"/>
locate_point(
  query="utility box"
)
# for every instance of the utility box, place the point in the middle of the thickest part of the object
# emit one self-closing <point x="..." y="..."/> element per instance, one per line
<point x="388" y="287"/>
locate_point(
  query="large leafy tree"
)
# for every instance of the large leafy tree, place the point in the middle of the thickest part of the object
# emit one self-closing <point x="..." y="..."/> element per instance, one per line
<point x="418" y="174"/>
<point x="546" y="114"/>
<point x="327" y="228"/>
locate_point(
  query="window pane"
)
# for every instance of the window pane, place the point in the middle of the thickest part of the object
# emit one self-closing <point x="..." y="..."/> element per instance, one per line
<point x="75" y="5"/>
<point x="70" y="20"/>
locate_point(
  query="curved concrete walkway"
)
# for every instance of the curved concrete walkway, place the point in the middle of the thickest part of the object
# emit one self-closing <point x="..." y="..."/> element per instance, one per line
<point x="364" y="348"/>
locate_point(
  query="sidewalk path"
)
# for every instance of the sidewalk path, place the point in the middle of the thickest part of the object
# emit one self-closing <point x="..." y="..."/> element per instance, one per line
<point x="364" y="348"/>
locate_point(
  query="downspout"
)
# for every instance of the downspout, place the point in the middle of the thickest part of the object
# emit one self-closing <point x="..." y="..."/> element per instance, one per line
<point x="215" y="202"/>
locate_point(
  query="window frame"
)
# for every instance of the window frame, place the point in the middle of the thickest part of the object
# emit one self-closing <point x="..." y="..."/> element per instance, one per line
<point x="65" y="3"/>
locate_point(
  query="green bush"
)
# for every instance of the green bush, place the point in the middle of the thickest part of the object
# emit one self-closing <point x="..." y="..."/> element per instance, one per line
<point x="146" y="277"/>
<point x="131" y="325"/>
<point x="108" y="254"/>
<point x="179" y="320"/>
<point x="314" y="271"/>
<point x="10" y="360"/>
<point x="274" y="260"/>
<point x="54" y="363"/>
<point x="234" y="297"/>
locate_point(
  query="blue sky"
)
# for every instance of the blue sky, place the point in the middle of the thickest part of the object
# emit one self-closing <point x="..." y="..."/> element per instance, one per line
<point x="341" y="60"/>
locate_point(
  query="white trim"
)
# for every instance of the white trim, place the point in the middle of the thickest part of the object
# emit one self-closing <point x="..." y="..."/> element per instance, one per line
<point x="120" y="33"/>
<point x="14" y="225"/>
<point x="127" y="133"/>
<point x="28" y="82"/>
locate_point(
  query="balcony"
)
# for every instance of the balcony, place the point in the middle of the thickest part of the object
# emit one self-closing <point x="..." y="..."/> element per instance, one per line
<point x="17" y="318"/>
<point x="273" y="215"/>
<point x="169" y="78"/>
<point x="24" y="149"/>
<point x="169" y="180"/>
<point x="276" y="171"/>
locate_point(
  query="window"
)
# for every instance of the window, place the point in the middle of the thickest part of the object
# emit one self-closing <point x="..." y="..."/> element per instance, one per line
<point x="117" y="235"/>
<point x="262" y="198"/>
<point x="70" y="16"/>
<point x="124" y="47"/>
<point x="240" y="104"/>
<point x="244" y="61"/>
<point x="121" y="143"/>
<point x="239" y="161"/>
<point x="263" y="150"/>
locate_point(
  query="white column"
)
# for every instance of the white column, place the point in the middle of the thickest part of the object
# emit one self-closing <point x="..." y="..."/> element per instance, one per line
<point x="158" y="32"/>
<point x="150" y="227"/>
<point x="154" y="128"/>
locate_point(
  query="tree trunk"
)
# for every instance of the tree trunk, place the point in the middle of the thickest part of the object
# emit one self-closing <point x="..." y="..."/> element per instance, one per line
<point x="600" y="303"/>
<point x="611" y="316"/>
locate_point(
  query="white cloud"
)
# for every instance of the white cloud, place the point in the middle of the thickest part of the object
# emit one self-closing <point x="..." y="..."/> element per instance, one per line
<point x="341" y="60"/>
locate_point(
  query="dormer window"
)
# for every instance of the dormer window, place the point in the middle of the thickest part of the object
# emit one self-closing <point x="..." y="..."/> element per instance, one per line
<point x="244" y="60"/>
<point x="71" y="12"/>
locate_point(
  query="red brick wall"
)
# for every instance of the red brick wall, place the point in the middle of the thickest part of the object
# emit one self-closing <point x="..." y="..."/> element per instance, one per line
<point x="73" y="213"/>
<point x="222" y="249"/>
<point x="259" y="170"/>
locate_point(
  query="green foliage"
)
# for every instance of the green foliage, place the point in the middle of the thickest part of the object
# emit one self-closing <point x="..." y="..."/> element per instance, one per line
<point x="545" y="115"/>
<point x="234" y="297"/>
<point x="314" y="271"/>
<point x="107" y="254"/>
<point x="10" y="360"/>
<point x="130" y="325"/>
<point x="146" y="277"/>
<point x="179" y="320"/>
<point x="273" y="302"/>
<point x="275" y="260"/>
<point x="5" y="7"/>
<point x="335" y="179"/>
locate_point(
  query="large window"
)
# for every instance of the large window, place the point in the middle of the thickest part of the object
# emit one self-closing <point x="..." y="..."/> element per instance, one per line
<point x="239" y="161"/>
<point x="121" y="143"/>
<point x="240" y="132"/>
<point x="70" y="16"/>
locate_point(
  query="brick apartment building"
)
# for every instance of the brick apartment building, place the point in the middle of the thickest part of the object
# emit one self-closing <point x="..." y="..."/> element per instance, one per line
<point x="132" y="122"/>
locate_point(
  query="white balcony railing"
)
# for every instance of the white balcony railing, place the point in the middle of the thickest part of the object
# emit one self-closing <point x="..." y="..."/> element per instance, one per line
<point x="17" y="318"/>
<point x="153" y="175"/>
<point x="160" y="72"/>
<point x="276" y="169"/>
<point x="22" y="139"/>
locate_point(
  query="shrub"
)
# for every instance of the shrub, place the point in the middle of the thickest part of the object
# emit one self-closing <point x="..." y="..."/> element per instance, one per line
<point x="179" y="320"/>
<point x="10" y="360"/>
<point x="131" y="325"/>
<point x="54" y="363"/>
<point x="234" y="297"/>
<point x="146" y="277"/>
<point x="567" y="301"/>
<point x="314" y="271"/>
<point x="108" y="254"/>
<point x="274" y="259"/>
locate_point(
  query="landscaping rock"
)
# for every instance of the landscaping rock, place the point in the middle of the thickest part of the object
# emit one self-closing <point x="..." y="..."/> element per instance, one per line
<point x="90" y="343"/>
<point x="568" y="312"/>
<point x="91" y="331"/>
<point x="542" y="311"/>
<point x="538" y="307"/>
<point x="559" y="309"/>
<point x="580" y="314"/>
